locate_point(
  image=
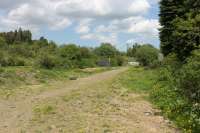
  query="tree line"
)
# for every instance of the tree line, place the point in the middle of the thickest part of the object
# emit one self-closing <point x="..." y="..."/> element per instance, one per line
<point x="17" y="48"/>
<point x="17" y="36"/>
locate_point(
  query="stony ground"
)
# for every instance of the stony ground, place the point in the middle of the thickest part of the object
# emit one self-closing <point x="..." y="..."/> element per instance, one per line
<point x="95" y="104"/>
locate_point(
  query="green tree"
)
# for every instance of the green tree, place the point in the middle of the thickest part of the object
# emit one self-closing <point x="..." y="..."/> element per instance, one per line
<point x="47" y="61"/>
<point x="106" y="50"/>
<point x="71" y="52"/>
<point x="131" y="51"/>
<point x="187" y="34"/>
<point x="147" y="55"/>
<point x="169" y="10"/>
<point x="180" y="27"/>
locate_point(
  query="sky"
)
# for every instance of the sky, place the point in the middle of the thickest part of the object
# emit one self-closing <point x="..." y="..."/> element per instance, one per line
<point x="84" y="22"/>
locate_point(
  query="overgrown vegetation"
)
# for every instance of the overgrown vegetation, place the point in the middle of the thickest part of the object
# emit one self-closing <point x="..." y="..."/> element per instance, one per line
<point x="27" y="61"/>
<point x="18" y="49"/>
<point x="177" y="87"/>
<point x="177" y="90"/>
<point x="146" y="54"/>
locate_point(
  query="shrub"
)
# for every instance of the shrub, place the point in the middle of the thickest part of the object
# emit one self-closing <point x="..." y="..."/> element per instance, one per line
<point x="120" y="60"/>
<point x="18" y="61"/>
<point x="173" y="105"/>
<point x="189" y="77"/>
<point x="2" y="42"/>
<point x="65" y="63"/>
<point x="167" y="94"/>
<point x="47" y="61"/>
<point x="172" y="62"/>
<point x="22" y="49"/>
<point x="146" y="55"/>
<point x="113" y="62"/>
<point x="6" y="60"/>
<point x="70" y="52"/>
<point x="85" y="63"/>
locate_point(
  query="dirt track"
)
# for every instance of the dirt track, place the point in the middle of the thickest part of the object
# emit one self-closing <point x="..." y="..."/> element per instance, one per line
<point x="87" y="105"/>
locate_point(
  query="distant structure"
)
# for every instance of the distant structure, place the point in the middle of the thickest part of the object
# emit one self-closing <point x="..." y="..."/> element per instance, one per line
<point x="133" y="62"/>
<point x="104" y="63"/>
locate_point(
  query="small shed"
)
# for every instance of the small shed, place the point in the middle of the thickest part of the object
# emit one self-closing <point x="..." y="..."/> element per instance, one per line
<point x="103" y="63"/>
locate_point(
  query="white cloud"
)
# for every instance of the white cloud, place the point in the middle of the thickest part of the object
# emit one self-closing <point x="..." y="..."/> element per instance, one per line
<point x="145" y="26"/>
<point x="8" y="4"/>
<point x="136" y="25"/>
<point x="100" y="20"/>
<point x="106" y="9"/>
<point x="110" y="38"/>
<point x="60" y="23"/>
<point x="139" y="5"/>
<point x="84" y="26"/>
<point x="34" y="16"/>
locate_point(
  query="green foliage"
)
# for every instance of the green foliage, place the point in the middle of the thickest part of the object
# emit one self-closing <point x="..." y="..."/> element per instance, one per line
<point x="17" y="36"/>
<point x="121" y="60"/>
<point x="22" y="50"/>
<point x="139" y="79"/>
<point x="7" y="60"/>
<point x="106" y="50"/>
<point x="132" y="51"/>
<point x="47" y="61"/>
<point x="147" y="55"/>
<point x="168" y="97"/>
<point x="187" y="35"/>
<point x="2" y="42"/>
<point x="169" y="10"/>
<point x="189" y="78"/>
<point x="179" y="32"/>
<point x="17" y="49"/>
<point x="180" y="27"/>
<point x="178" y="89"/>
<point x="70" y="52"/>
<point x="86" y="63"/>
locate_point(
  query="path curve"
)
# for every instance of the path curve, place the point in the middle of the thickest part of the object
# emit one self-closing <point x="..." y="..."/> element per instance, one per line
<point x="128" y="111"/>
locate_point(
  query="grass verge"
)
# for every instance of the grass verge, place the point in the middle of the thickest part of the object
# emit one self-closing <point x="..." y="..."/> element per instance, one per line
<point x="164" y="95"/>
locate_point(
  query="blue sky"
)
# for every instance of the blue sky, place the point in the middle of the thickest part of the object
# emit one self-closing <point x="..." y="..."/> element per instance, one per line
<point x="84" y="22"/>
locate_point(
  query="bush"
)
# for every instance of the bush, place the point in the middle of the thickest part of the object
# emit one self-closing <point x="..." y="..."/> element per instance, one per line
<point x="85" y="63"/>
<point x="22" y="49"/>
<point x="113" y="62"/>
<point x="167" y="95"/>
<point x="120" y="60"/>
<point x="65" y="63"/>
<point x="172" y="62"/>
<point x="2" y="42"/>
<point x="6" y="60"/>
<point x="173" y="105"/>
<point x="47" y="61"/>
<point x="18" y="61"/>
<point x="189" y="78"/>
<point x="146" y="55"/>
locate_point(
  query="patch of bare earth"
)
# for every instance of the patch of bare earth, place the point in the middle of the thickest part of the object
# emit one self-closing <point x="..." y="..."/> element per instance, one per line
<point x="89" y="105"/>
